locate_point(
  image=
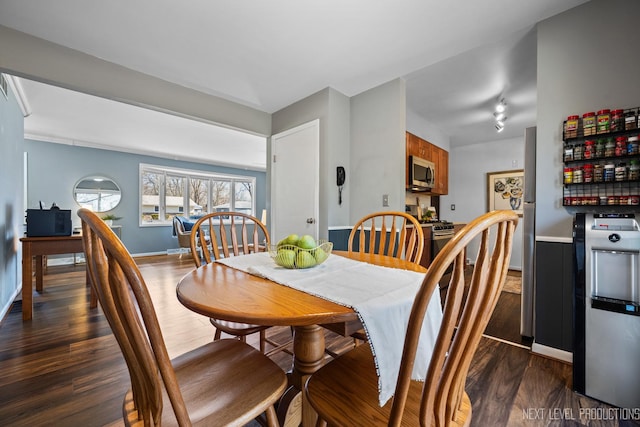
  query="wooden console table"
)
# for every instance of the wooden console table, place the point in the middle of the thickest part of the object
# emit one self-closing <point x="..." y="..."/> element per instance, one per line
<point x="38" y="247"/>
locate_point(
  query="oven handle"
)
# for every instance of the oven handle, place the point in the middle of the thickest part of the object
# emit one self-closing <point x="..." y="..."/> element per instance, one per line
<point x="442" y="236"/>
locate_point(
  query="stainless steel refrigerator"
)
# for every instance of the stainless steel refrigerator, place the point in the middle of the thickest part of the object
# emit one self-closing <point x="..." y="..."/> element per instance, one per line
<point x="528" y="234"/>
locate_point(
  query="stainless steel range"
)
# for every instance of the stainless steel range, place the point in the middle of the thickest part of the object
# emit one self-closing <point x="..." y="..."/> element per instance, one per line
<point x="441" y="233"/>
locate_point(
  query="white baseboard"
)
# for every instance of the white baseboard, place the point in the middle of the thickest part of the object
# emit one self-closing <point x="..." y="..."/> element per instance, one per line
<point x="79" y="258"/>
<point x="554" y="353"/>
<point x="17" y="296"/>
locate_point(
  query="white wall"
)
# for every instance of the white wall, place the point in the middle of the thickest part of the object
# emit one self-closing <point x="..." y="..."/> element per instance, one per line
<point x="27" y="56"/>
<point x="468" y="168"/>
<point x="378" y="125"/>
<point x="11" y="199"/>
<point x="427" y="130"/>
<point x="587" y="60"/>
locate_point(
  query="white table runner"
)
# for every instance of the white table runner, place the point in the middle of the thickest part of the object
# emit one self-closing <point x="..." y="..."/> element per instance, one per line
<point x="381" y="296"/>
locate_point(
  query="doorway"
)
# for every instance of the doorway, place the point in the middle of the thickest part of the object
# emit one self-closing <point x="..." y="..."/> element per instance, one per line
<point x="295" y="181"/>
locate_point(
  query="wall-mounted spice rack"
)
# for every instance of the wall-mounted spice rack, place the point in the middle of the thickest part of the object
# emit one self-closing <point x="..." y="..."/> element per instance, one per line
<point x="601" y="155"/>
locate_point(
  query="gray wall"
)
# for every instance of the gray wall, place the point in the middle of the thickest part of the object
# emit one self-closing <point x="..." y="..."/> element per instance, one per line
<point x="11" y="199"/>
<point x="587" y="60"/>
<point x="332" y="109"/>
<point x="366" y="135"/>
<point x="378" y="149"/>
<point x="54" y="169"/>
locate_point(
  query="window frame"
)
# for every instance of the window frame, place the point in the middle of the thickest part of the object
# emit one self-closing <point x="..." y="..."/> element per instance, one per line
<point x="187" y="174"/>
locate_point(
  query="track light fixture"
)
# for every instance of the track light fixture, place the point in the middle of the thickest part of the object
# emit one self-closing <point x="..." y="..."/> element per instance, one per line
<point x="500" y="115"/>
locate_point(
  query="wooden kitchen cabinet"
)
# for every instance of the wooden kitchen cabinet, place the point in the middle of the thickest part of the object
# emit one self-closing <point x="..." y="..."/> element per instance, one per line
<point x="419" y="147"/>
<point x="441" y="160"/>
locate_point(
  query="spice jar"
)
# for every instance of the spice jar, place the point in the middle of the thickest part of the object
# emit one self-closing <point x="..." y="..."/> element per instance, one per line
<point x="634" y="200"/>
<point x="612" y="200"/>
<point x="598" y="173"/>
<point x="599" y="148"/>
<point x="621" y="146"/>
<point x="587" y="172"/>
<point x="603" y="121"/>
<point x="568" y="175"/>
<point x="589" y="123"/>
<point x="577" y="175"/>
<point x="632" y="145"/>
<point x="620" y="172"/>
<point x="578" y="150"/>
<point x="571" y="127"/>
<point x="630" y="120"/>
<point x="609" y="148"/>
<point x="604" y="200"/>
<point x="623" y="200"/>
<point x="634" y="171"/>
<point x="617" y="120"/>
<point x="589" y="149"/>
<point x="568" y="154"/>
<point x="609" y="172"/>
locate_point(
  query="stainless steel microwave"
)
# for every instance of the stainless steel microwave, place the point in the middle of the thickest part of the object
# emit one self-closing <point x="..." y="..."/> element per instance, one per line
<point x="422" y="174"/>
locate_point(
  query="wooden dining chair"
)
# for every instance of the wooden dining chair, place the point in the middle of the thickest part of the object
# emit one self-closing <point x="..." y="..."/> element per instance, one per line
<point x="345" y="391"/>
<point x="224" y="382"/>
<point x="225" y="234"/>
<point x="395" y="234"/>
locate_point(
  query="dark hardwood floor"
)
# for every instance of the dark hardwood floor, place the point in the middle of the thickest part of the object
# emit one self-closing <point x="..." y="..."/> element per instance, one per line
<point x="65" y="368"/>
<point x="505" y="321"/>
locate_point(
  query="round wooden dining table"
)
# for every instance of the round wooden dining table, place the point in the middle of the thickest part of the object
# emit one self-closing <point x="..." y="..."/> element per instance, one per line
<point x="218" y="291"/>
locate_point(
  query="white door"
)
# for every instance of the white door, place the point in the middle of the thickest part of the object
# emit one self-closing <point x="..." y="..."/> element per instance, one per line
<point x="295" y="181"/>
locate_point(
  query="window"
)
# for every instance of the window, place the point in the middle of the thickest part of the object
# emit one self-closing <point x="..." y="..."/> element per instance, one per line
<point x="166" y="192"/>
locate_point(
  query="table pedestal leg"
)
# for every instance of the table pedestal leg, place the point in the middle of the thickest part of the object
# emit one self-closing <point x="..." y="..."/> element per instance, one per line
<point x="308" y="350"/>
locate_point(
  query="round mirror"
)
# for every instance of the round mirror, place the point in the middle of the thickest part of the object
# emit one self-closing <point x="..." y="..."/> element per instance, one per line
<point x="98" y="193"/>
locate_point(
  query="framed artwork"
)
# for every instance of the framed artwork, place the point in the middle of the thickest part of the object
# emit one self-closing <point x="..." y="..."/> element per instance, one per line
<point x="505" y="190"/>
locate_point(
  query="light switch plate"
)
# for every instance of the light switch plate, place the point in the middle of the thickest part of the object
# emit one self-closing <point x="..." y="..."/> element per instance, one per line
<point x="385" y="200"/>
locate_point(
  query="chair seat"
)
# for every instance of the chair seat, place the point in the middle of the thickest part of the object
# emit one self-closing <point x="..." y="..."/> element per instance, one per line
<point x="237" y="328"/>
<point x="224" y="395"/>
<point x="351" y="378"/>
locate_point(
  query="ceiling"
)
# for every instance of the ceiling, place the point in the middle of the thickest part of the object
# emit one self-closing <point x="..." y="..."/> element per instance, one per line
<point x="458" y="59"/>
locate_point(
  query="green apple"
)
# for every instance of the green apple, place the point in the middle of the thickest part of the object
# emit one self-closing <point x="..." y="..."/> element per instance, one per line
<point x="307" y="242"/>
<point x="285" y="258"/>
<point x="320" y="255"/>
<point x="291" y="239"/>
<point x="305" y="260"/>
